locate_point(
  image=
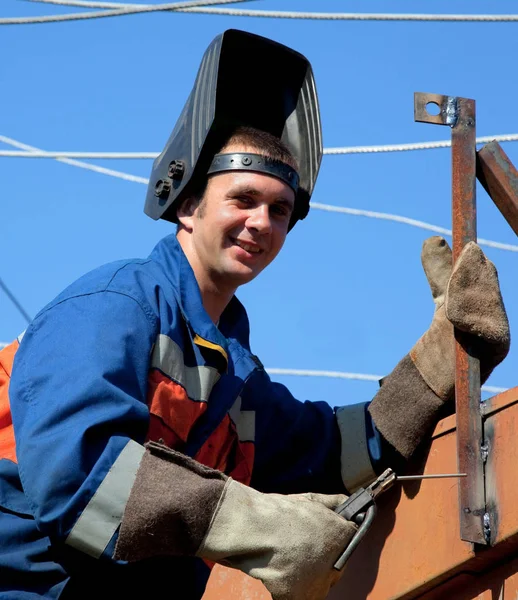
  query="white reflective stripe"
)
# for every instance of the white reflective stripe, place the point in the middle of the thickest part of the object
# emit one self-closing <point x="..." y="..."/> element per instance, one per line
<point x="357" y="469"/>
<point x="244" y="421"/>
<point x="197" y="381"/>
<point x="101" y="517"/>
<point x="20" y="337"/>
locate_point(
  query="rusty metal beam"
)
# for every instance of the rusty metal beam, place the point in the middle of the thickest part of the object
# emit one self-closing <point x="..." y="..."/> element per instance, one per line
<point x="459" y="115"/>
<point x="500" y="180"/>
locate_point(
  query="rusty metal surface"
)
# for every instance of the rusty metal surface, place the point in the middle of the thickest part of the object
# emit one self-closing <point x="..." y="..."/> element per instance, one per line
<point x="500" y="180"/>
<point x="467" y="365"/>
<point x="414" y="543"/>
<point x="459" y="115"/>
<point x="501" y="426"/>
<point x="229" y="584"/>
<point x="413" y="547"/>
<point x="500" y="583"/>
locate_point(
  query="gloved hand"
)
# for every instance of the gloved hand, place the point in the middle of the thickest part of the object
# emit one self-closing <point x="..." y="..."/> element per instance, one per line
<point x="467" y="297"/>
<point x="289" y="542"/>
<point x="179" y="507"/>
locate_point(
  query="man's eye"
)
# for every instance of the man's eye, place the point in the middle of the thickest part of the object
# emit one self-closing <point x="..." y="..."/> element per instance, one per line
<point x="280" y="210"/>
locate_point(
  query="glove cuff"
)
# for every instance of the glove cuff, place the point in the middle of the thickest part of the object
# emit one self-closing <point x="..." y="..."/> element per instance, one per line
<point x="170" y="507"/>
<point x="405" y="409"/>
<point x="434" y="356"/>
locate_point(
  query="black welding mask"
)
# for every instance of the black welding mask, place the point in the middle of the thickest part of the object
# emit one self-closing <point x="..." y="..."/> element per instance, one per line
<point x="243" y="80"/>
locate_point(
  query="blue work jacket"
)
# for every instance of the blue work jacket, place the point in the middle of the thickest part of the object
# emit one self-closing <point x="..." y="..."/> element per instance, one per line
<point x="124" y="355"/>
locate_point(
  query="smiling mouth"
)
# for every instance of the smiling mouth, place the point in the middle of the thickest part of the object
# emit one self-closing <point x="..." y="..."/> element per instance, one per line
<point x="248" y="247"/>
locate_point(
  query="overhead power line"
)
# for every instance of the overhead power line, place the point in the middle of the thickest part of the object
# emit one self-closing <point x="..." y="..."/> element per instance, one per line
<point x="187" y="6"/>
<point x="315" y="205"/>
<point x="15" y="301"/>
<point x="334" y="374"/>
<point x="127" y="9"/>
<point x="67" y="154"/>
<point x="77" y="163"/>
<point x="198" y="6"/>
<point x="122" y="5"/>
<point x="356" y="376"/>
<point x="507" y="137"/>
<point x="337" y="375"/>
<point x="193" y="4"/>
<point x="406" y="221"/>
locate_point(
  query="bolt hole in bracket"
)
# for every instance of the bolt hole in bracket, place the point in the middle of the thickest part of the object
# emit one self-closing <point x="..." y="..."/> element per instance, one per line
<point x="436" y="109"/>
<point x="433" y="109"/>
<point x="459" y="115"/>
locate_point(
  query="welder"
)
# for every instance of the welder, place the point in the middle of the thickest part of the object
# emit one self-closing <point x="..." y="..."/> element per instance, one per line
<point x="142" y="440"/>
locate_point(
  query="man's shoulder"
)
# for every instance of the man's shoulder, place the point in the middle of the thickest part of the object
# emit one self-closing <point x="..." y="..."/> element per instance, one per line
<point x="121" y="274"/>
<point x="136" y="278"/>
<point x="145" y="281"/>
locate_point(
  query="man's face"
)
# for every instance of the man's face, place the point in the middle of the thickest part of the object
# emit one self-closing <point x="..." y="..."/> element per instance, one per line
<point x="239" y="227"/>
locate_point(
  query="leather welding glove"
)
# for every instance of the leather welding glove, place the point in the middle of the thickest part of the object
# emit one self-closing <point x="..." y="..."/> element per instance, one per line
<point x="179" y="507"/>
<point x="467" y="297"/>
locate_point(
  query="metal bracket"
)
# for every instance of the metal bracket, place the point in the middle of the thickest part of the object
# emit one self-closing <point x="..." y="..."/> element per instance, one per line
<point x="448" y="109"/>
<point x="500" y="180"/>
<point x="459" y="114"/>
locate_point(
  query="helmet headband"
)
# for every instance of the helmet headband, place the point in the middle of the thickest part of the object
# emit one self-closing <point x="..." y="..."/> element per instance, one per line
<point x="245" y="161"/>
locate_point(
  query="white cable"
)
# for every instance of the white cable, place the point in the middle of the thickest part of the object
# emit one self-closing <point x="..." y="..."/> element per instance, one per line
<point x="77" y="163"/>
<point x="335" y="374"/>
<point x="325" y="207"/>
<point x="406" y="221"/>
<point x="312" y="373"/>
<point x="493" y="389"/>
<point x="358" y="149"/>
<point x="506" y="137"/>
<point x="279" y="14"/>
<point x="132" y="10"/>
<point x="358" y="212"/>
<point x="67" y="154"/>
<point x="357" y="376"/>
<point x="276" y="14"/>
<point x="87" y="4"/>
<point x="120" y="5"/>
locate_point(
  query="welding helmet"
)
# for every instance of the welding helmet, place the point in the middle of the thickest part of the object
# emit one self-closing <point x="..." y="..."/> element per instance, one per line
<point x="243" y="80"/>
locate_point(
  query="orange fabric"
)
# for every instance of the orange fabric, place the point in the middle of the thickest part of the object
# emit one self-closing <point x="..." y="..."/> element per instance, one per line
<point x="223" y="451"/>
<point x="244" y="461"/>
<point x="173" y="413"/>
<point x="7" y="442"/>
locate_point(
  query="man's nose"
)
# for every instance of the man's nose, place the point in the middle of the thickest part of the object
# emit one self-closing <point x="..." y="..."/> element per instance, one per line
<point x="259" y="219"/>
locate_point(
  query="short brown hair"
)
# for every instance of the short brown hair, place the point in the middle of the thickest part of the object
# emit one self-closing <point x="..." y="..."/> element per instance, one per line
<point x="264" y="142"/>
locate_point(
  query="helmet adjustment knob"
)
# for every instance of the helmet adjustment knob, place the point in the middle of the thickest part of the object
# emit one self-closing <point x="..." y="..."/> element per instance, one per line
<point x="176" y="169"/>
<point x="162" y="188"/>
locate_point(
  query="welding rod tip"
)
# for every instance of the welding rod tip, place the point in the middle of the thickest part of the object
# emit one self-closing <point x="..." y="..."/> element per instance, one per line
<point x="434" y="476"/>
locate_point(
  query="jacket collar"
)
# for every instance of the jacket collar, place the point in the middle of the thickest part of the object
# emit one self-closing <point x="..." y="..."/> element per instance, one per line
<point x="234" y="320"/>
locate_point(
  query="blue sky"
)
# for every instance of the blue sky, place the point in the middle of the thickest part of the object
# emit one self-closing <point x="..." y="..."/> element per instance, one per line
<point x="347" y="293"/>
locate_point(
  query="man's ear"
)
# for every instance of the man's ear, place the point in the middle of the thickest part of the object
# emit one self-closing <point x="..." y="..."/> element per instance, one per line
<point x="185" y="212"/>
